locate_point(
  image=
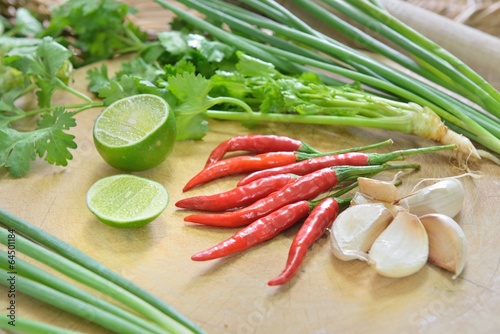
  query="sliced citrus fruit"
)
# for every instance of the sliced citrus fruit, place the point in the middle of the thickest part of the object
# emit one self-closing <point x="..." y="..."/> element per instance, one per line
<point x="127" y="200"/>
<point x="135" y="133"/>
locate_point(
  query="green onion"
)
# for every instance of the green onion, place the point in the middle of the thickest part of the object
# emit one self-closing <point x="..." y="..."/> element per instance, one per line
<point x="70" y="261"/>
<point x="72" y="305"/>
<point x="41" y="276"/>
<point x="28" y="326"/>
<point x="290" y="33"/>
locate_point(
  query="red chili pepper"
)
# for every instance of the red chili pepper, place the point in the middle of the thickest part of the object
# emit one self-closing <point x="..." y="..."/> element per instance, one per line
<point x="304" y="188"/>
<point x="241" y="164"/>
<point x="345" y="159"/>
<point x="258" y="144"/>
<point x="237" y="197"/>
<point x="260" y="230"/>
<point x="320" y="218"/>
<point x="310" y="165"/>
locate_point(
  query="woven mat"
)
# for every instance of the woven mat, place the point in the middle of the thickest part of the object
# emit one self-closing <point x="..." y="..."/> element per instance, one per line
<point x="480" y="14"/>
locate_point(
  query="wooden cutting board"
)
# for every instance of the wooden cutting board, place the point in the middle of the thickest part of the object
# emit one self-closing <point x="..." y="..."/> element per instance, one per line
<point x="230" y="295"/>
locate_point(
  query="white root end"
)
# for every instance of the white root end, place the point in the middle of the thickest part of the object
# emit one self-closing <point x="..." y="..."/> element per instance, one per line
<point x="487" y="155"/>
<point x="464" y="145"/>
<point x="428" y="125"/>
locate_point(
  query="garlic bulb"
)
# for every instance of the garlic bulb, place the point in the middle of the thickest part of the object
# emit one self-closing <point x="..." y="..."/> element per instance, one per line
<point x="447" y="245"/>
<point x="402" y="248"/>
<point x="379" y="190"/>
<point x="445" y="197"/>
<point x="355" y="229"/>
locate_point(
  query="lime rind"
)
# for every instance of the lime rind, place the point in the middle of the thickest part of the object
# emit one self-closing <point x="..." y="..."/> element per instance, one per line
<point x="127" y="200"/>
<point x="123" y="122"/>
<point x="135" y="133"/>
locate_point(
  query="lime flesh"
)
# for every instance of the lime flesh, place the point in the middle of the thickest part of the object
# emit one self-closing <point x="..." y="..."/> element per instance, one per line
<point x="135" y="133"/>
<point x="127" y="200"/>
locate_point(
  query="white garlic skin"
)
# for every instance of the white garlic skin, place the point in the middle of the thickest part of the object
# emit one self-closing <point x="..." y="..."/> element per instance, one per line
<point x="356" y="228"/>
<point x="379" y="190"/>
<point x="444" y="197"/>
<point x="447" y="243"/>
<point x="360" y="198"/>
<point x="402" y="248"/>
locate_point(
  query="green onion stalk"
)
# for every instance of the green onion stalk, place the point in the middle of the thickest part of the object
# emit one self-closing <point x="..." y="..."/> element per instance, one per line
<point x="295" y="47"/>
<point x="134" y="310"/>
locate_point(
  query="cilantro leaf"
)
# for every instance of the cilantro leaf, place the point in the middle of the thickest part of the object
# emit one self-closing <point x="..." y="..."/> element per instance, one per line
<point x="98" y="29"/>
<point x="125" y="86"/>
<point x="48" y="141"/>
<point x="192" y="92"/>
<point x="26" y="24"/>
<point x="97" y="78"/>
<point x="16" y="151"/>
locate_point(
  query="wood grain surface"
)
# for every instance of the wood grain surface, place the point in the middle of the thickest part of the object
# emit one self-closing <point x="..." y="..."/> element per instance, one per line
<point x="231" y="295"/>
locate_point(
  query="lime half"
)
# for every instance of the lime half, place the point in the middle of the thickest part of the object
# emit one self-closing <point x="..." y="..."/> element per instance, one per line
<point x="126" y="200"/>
<point x="135" y="133"/>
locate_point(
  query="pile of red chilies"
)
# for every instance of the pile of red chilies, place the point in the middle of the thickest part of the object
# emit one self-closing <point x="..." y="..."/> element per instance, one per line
<point x="287" y="176"/>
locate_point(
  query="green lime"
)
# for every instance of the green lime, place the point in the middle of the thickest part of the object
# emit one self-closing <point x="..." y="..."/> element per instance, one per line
<point x="135" y="133"/>
<point x="126" y="200"/>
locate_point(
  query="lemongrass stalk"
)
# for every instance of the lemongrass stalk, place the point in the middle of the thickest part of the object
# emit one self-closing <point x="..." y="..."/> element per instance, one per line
<point x="71" y="304"/>
<point x="41" y="276"/>
<point x="28" y="326"/>
<point x="78" y="257"/>
<point x="416" y="37"/>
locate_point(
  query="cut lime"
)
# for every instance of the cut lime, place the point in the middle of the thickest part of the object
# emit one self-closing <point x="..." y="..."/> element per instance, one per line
<point x="135" y="133"/>
<point x="127" y="200"/>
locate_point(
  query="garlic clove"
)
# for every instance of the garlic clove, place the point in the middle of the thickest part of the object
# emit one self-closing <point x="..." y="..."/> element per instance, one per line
<point x="447" y="243"/>
<point x="445" y="197"/>
<point x="402" y="248"/>
<point x="355" y="229"/>
<point x="379" y="190"/>
<point x="360" y="198"/>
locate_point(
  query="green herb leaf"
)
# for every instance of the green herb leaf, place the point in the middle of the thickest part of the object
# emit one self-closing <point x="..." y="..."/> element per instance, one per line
<point x="48" y="141"/>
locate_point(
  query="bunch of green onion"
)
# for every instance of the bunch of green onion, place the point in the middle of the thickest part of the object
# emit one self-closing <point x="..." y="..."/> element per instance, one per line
<point x="133" y="310"/>
<point x="440" y="84"/>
